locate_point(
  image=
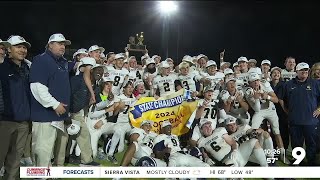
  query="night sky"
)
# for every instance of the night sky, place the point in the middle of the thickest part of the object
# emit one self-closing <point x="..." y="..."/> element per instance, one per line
<point x="256" y="30"/>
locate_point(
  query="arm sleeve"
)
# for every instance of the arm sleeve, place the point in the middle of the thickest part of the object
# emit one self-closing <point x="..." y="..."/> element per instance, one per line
<point x="255" y="105"/>
<point x="41" y="93"/>
<point x="96" y="114"/>
<point x="103" y="104"/>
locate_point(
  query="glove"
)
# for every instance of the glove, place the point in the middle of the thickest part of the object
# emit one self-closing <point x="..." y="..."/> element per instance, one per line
<point x="234" y="154"/>
<point x="210" y="162"/>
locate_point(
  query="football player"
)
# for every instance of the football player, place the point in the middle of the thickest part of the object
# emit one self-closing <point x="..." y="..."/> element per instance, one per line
<point x="118" y="74"/>
<point x="166" y="82"/>
<point x="234" y="103"/>
<point x="261" y="97"/>
<point x="141" y="145"/>
<point x="215" y="143"/>
<point x="249" y="146"/>
<point x="121" y="114"/>
<point x="167" y="147"/>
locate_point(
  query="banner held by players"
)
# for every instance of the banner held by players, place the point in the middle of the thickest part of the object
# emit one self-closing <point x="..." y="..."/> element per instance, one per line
<point x="178" y="108"/>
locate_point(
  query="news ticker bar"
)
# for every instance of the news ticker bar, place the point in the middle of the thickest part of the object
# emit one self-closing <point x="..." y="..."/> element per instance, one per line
<point x="170" y="172"/>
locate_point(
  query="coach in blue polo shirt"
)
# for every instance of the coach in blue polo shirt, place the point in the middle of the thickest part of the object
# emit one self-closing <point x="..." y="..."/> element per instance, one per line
<point x="300" y="96"/>
<point x="15" y="117"/>
<point x="50" y="87"/>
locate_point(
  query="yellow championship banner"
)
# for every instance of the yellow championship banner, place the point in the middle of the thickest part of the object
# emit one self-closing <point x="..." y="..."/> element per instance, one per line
<point x="178" y="108"/>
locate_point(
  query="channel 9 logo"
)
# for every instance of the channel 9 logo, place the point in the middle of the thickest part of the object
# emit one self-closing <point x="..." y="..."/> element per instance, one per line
<point x="298" y="153"/>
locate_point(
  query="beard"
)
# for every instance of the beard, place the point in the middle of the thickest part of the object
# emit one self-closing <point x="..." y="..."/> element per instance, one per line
<point x="152" y="70"/>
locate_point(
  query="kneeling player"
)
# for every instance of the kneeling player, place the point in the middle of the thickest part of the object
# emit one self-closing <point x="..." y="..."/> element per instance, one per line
<point x="140" y="149"/>
<point x="218" y="144"/>
<point x="249" y="146"/>
<point x="167" y="147"/>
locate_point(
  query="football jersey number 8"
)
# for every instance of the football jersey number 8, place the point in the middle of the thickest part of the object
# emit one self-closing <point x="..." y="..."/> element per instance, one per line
<point x="116" y="80"/>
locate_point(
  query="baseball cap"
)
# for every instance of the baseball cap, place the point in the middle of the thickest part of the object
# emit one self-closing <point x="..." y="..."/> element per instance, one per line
<point x="211" y="63"/>
<point x="164" y="64"/>
<point x="155" y="56"/>
<point x="302" y="65"/>
<point x="276" y="68"/>
<point x="80" y="51"/>
<point x="150" y="61"/>
<point x="223" y="63"/>
<point x="88" y="61"/>
<point x="242" y="59"/>
<point x="228" y="71"/>
<point x="203" y="122"/>
<point x="208" y="88"/>
<point x="254" y="76"/>
<point x="253" y="61"/>
<point x="266" y="61"/>
<point x="165" y="123"/>
<point x="169" y="59"/>
<point x="15" y="40"/>
<point x="96" y="47"/>
<point x="137" y="82"/>
<point x="230" y="120"/>
<point x="146" y="122"/>
<point x="107" y="79"/>
<point x="58" y="37"/>
<point x="255" y="70"/>
<point x="235" y="64"/>
<point x="119" y="56"/>
<point x="144" y="57"/>
<point x="187" y="58"/>
<point x="5" y="43"/>
<point x="230" y="79"/>
<point x="202" y="56"/>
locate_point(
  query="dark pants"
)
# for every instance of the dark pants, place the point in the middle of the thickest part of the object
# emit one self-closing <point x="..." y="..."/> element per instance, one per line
<point x="13" y="139"/>
<point x="308" y="134"/>
<point x="284" y="130"/>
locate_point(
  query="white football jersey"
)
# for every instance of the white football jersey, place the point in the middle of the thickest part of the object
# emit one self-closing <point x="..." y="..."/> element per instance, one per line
<point x="145" y="142"/>
<point x="243" y="78"/>
<point x="210" y="113"/>
<point x="135" y="74"/>
<point x="118" y="77"/>
<point x="123" y="116"/>
<point x="170" y="141"/>
<point x="152" y="75"/>
<point x="215" y="79"/>
<point x="165" y="84"/>
<point x="235" y="109"/>
<point x="286" y="75"/>
<point x="241" y="131"/>
<point x="215" y="144"/>
<point x="264" y="87"/>
<point x="189" y="81"/>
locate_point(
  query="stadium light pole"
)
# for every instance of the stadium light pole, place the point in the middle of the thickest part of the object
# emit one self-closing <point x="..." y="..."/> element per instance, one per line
<point x="166" y="9"/>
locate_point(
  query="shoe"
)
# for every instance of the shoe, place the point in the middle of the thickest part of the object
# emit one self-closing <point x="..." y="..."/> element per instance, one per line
<point x="89" y="164"/>
<point x="112" y="159"/>
<point x="74" y="159"/>
<point x="101" y="155"/>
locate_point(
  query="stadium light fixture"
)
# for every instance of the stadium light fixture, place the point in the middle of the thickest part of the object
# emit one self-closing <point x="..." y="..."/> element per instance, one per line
<point x="167" y="7"/>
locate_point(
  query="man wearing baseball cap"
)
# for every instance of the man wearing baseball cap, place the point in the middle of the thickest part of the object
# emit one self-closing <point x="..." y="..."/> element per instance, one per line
<point x="265" y="67"/>
<point x="300" y="96"/>
<point x="50" y="101"/>
<point x="15" y="115"/>
<point x="3" y="46"/>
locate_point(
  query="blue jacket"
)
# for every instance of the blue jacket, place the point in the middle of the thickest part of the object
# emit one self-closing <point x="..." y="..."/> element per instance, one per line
<point x="15" y="91"/>
<point x="301" y="99"/>
<point x="52" y="72"/>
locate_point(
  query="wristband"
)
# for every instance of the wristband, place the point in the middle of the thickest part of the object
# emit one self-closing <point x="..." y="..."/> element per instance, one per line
<point x="269" y="97"/>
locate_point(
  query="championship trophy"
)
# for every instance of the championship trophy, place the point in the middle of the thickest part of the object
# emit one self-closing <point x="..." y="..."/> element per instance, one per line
<point x="139" y="47"/>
